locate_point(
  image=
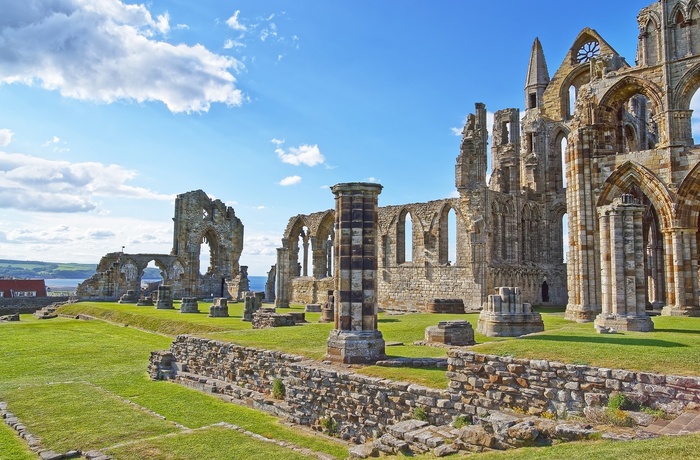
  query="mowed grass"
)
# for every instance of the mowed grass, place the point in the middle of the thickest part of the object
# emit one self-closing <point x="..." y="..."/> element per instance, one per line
<point x="12" y="447"/>
<point x="83" y="385"/>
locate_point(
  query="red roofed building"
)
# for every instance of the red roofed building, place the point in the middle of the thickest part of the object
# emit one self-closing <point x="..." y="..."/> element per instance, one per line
<point x="22" y="288"/>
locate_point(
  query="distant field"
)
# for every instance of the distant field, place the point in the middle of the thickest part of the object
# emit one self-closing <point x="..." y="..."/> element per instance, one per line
<point x="37" y="269"/>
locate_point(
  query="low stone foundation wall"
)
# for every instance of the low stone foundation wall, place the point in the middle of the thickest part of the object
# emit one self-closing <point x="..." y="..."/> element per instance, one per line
<point x="538" y="386"/>
<point x="27" y="305"/>
<point x="365" y="406"/>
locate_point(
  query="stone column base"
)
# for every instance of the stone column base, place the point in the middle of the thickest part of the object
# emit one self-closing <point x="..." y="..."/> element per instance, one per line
<point x="686" y="310"/>
<point x="355" y="347"/>
<point x="580" y="314"/>
<point x="625" y="323"/>
<point x="509" y="325"/>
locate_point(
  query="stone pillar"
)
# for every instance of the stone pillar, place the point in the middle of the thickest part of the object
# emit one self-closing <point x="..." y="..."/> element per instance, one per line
<point x="165" y="298"/>
<point x="682" y="269"/>
<point x="282" y="278"/>
<point x="355" y="338"/>
<point x="622" y="267"/>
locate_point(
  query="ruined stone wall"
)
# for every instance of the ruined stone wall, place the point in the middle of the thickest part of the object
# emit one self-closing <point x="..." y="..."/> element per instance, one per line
<point x="364" y="406"/>
<point x="25" y="305"/>
<point x="536" y="386"/>
<point x="198" y="220"/>
<point x="307" y="289"/>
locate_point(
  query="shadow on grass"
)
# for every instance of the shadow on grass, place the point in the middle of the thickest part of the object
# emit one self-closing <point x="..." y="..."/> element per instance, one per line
<point x="677" y="331"/>
<point x="388" y="320"/>
<point x="609" y="339"/>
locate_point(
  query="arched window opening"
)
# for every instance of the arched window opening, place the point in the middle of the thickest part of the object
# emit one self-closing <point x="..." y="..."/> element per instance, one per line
<point x="452" y="237"/>
<point x="652" y="44"/>
<point x="572" y="100"/>
<point x="303" y="243"/>
<point x="694" y="31"/>
<point x="695" y="120"/>
<point x="637" y="129"/>
<point x="680" y="35"/>
<point x="408" y="238"/>
<point x="563" y="144"/>
<point x="564" y="232"/>
<point x="505" y="133"/>
<point x="150" y="279"/>
<point x="328" y="250"/>
<point x="205" y="257"/>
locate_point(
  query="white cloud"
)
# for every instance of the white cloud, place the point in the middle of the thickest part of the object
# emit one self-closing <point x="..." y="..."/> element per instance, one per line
<point x="372" y="179"/>
<point x="234" y="23"/>
<point x="260" y="207"/>
<point x="261" y="245"/>
<point x="290" y="180"/>
<point x="5" y="137"/>
<point x="182" y="27"/>
<point x="105" y="51"/>
<point x="36" y="184"/>
<point x="309" y="155"/>
<point x="489" y="125"/>
<point x="277" y="141"/>
<point x="229" y="44"/>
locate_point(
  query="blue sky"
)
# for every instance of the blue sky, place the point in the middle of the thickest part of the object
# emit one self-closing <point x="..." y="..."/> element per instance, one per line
<point x="108" y="109"/>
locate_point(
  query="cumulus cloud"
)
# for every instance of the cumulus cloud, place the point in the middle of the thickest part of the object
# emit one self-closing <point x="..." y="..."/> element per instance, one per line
<point x="290" y="180"/>
<point x="38" y="184"/>
<point x="5" y="137"/>
<point x="310" y="155"/>
<point x="106" y="51"/>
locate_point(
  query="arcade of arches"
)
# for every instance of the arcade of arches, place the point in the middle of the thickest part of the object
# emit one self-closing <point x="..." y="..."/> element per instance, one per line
<point x="198" y="220"/>
<point x="602" y="142"/>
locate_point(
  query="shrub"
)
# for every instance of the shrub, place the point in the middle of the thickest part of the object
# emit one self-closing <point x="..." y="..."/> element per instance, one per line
<point x="328" y="425"/>
<point x="419" y="414"/>
<point x="460" y="421"/>
<point x="619" y="401"/>
<point x="278" y="390"/>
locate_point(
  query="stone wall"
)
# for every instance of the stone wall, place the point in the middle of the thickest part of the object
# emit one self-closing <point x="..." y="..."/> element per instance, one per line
<point x="365" y="406"/>
<point x="307" y="289"/>
<point x="26" y="305"/>
<point x="538" y="386"/>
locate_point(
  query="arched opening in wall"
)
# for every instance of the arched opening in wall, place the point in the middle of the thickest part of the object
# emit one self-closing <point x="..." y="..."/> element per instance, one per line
<point x="564" y="229"/>
<point x="328" y="250"/>
<point x="204" y="259"/>
<point x="636" y="128"/>
<point x="151" y="278"/>
<point x="545" y="291"/>
<point x="303" y="255"/>
<point x="651" y="44"/>
<point x="408" y="238"/>
<point x="563" y="144"/>
<point x="556" y="178"/>
<point x="447" y="237"/>
<point x="654" y="251"/>
<point x="694" y="30"/>
<point x="695" y="119"/>
<point x="452" y="237"/>
<point x="572" y="101"/>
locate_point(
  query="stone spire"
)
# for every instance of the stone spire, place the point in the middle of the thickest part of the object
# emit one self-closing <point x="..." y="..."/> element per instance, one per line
<point x="537" y="76"/>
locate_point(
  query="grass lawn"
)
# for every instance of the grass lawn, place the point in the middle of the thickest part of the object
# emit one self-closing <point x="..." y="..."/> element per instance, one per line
<point x="83" y="385"/>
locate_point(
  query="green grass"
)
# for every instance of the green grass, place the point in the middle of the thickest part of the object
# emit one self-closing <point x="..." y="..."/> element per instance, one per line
<point x="68" y="381"/>
<point x="12" y="447"/>
<point x="212" y="443"/>
<point x="673" y="348"/>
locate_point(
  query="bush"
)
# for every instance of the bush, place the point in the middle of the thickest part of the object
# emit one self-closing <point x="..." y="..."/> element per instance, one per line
<point x="460" y="421"/>
<point x="620" y="401"/>
<point x="419" y="414"/>
<point x="328" y="425"/>
<point x="278" y="390"/>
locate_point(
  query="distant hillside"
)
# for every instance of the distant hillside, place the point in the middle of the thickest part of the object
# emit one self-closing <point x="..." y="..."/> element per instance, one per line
<point x="36" y="269"/>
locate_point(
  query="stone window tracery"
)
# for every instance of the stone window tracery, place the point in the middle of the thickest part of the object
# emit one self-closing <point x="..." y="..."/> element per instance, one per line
<point x="588" y="51"/>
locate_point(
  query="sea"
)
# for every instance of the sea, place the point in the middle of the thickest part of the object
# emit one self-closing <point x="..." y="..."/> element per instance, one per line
<point x="256" y="283"/>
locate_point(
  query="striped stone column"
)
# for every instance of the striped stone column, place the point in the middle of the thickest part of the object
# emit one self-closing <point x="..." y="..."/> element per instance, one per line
<point x="355" y="338"/>
<point x="623" y="288"/>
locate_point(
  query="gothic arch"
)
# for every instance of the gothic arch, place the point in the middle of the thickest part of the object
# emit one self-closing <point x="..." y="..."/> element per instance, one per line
<point x="322" y="245"/>
<point x="688" y="199"/>
<point x="686" y="87"/>
<point x="625" y="88"/>
<point x="633" y="174"/>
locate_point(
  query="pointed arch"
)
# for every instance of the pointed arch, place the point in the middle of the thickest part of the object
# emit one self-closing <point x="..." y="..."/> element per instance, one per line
<point x="686" y="87"/>
<point x="688" y="210"/>
<point x="632" y="174"/>
<point x="627" y="87"/>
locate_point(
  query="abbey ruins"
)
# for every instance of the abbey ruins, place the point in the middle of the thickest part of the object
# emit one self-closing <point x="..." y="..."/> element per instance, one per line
<point x="606" y="143"/>
<point x="198" y="220"/>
